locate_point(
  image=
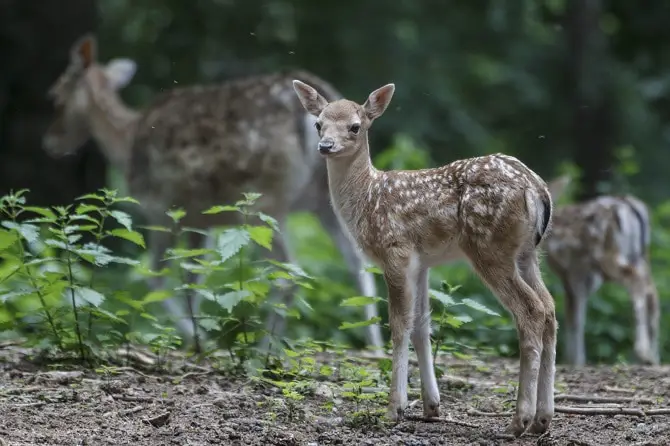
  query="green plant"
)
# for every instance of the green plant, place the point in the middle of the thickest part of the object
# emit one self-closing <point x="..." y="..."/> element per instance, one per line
<point x="49" y="263"/>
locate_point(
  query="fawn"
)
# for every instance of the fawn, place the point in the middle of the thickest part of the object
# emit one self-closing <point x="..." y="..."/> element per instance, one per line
<point x="199" y="146"/>
<point x="491" y="210"/>
<point x="604" y="239"/>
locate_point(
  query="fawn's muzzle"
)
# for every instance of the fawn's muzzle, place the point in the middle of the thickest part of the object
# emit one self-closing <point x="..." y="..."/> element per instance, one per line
<point x="326" y="145"/>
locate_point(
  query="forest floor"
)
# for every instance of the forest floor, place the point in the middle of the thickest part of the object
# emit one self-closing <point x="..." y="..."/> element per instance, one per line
<point x="64" y="405"/>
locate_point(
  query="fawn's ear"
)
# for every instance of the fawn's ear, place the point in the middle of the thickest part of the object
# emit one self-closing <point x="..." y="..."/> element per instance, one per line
<point x="313" y="102"/>
<point x="378" y="100"/>
<point x="557" y="186"/>
<point x="120" y="72"/>
<point x="84" y="50"/>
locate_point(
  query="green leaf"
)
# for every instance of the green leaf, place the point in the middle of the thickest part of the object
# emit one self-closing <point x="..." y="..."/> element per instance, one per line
<point x="156" y="228"/>
<point x="104" y="314"/>
<point x="262" y="235"/>
<point x="176" y="214"/>
<point x="91" y="197"/>
<point x="130" y="235"/>
<point x="229" y="300"/>
<point x="86" y="208"/>
<point x="479" y="307"/>
<point x="44" y="212"/>
<point x="374" y="270"/>
<point x="219" y="209"/>
<point x="30" y="233"/>
<point x="231" y="241"/>
<point x="349" y="325"/>
<point x="359" y="301"/>
<point x="208" y="324"/>
<point x="83" y="296"/>
<point x="270" y="221"/>
<point x="126" y="200"/>
<point x="444" y="298"/>
<point x="101" y="256"/>
<point x="7" y="239"/>
<point x="179" y="253"/>
<point x="123" y="219"/>
<point x="156" y="296"/>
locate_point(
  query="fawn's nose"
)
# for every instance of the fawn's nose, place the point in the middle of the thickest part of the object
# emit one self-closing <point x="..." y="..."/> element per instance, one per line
<point x="326" y="145"/>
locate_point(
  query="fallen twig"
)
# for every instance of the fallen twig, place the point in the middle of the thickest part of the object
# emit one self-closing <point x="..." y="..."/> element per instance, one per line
<point x="600" y="410"/>
<point x="159" y="420"/>
<point x="479" y="413"/>
<point x="133" y="399"/>
<point x="131" y="411"/>
<point x="602" y="399"/>
<point x="134" y="370"/>
<point x="22" y="390"/>
<point x="665" y="411"/>
<point x="36" y="404"/>
<point x="191" y="374"/>
<point x="443" y="420"/>
<point x="617" y="390"/>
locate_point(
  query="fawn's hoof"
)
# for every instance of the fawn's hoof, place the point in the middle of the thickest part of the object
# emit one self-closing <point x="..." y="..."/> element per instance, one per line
<point x="519" y="425"/>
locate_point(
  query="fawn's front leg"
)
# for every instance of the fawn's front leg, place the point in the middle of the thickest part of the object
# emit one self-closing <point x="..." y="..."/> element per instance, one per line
<point x="401" y="316"/>
<point x="430" y="393"/>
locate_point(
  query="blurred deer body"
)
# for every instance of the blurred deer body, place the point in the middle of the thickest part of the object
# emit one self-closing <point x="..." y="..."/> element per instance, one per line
<point x="196" y="147"/>
<point x="604" y="239"/>
<point x="491" y="210"/>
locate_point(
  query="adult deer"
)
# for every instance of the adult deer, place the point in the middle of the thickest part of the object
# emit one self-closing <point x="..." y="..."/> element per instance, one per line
<point x="604" y="239"/>
<point x="199" y="146"/>
<point x="492" y="210"/>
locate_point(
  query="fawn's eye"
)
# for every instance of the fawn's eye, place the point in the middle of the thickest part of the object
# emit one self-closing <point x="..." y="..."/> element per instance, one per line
<point x="318" y="126"/>
<point x="355" y="128"/>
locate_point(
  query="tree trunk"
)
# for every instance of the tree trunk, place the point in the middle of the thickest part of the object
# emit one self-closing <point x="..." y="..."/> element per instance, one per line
<point x="35" y="39"/>
<point x="592" y="100"/>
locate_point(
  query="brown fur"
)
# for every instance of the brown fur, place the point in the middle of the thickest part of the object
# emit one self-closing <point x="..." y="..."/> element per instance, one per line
<point x="490" y="210"/>
<point x="604" y="239"/>
<point x="198" y="146"/>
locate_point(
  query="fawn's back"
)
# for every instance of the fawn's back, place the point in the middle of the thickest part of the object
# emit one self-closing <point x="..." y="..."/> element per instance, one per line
<point x="435" y="211"/>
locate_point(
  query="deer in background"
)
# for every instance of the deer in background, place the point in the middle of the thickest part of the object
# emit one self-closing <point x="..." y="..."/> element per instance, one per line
<point x="491" y="210"/>
<point x="199" y="146"/>
<point x="604" y="239"/>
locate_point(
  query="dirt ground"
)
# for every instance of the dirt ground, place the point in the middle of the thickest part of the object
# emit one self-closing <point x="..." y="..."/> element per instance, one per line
<point x="69" y="406"/>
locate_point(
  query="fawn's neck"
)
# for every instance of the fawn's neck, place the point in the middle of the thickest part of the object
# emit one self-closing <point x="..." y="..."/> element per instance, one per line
<point x="112" y="126"/>
<point x="350" y="180"/>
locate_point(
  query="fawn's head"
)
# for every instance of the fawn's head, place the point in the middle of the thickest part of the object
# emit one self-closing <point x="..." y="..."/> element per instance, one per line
<point x="343" y="125"/>
<point x="72" y="95"/>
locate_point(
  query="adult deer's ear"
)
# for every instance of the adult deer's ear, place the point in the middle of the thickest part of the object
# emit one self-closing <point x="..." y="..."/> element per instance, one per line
<point x="378" y="101"/>
<point x="313" y="102"/>
<point x="84" y="50"/>
<point x="120" y="72"/>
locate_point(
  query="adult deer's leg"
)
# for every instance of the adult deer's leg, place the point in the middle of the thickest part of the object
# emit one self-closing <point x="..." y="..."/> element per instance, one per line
<point x="638" y="286"/>
<point x="502" y="276"/>
<point x="276" y="323"/>
<point x="529" y="268"/>
<point x="420" y="337"/>
<point x="159" y="242"/>
<point x="653" y="315"/>
<point x="195" y="241"/>
<point x="398" y="275"/>
<point x="354" y="260"/>
<point x="576" y="298"/>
